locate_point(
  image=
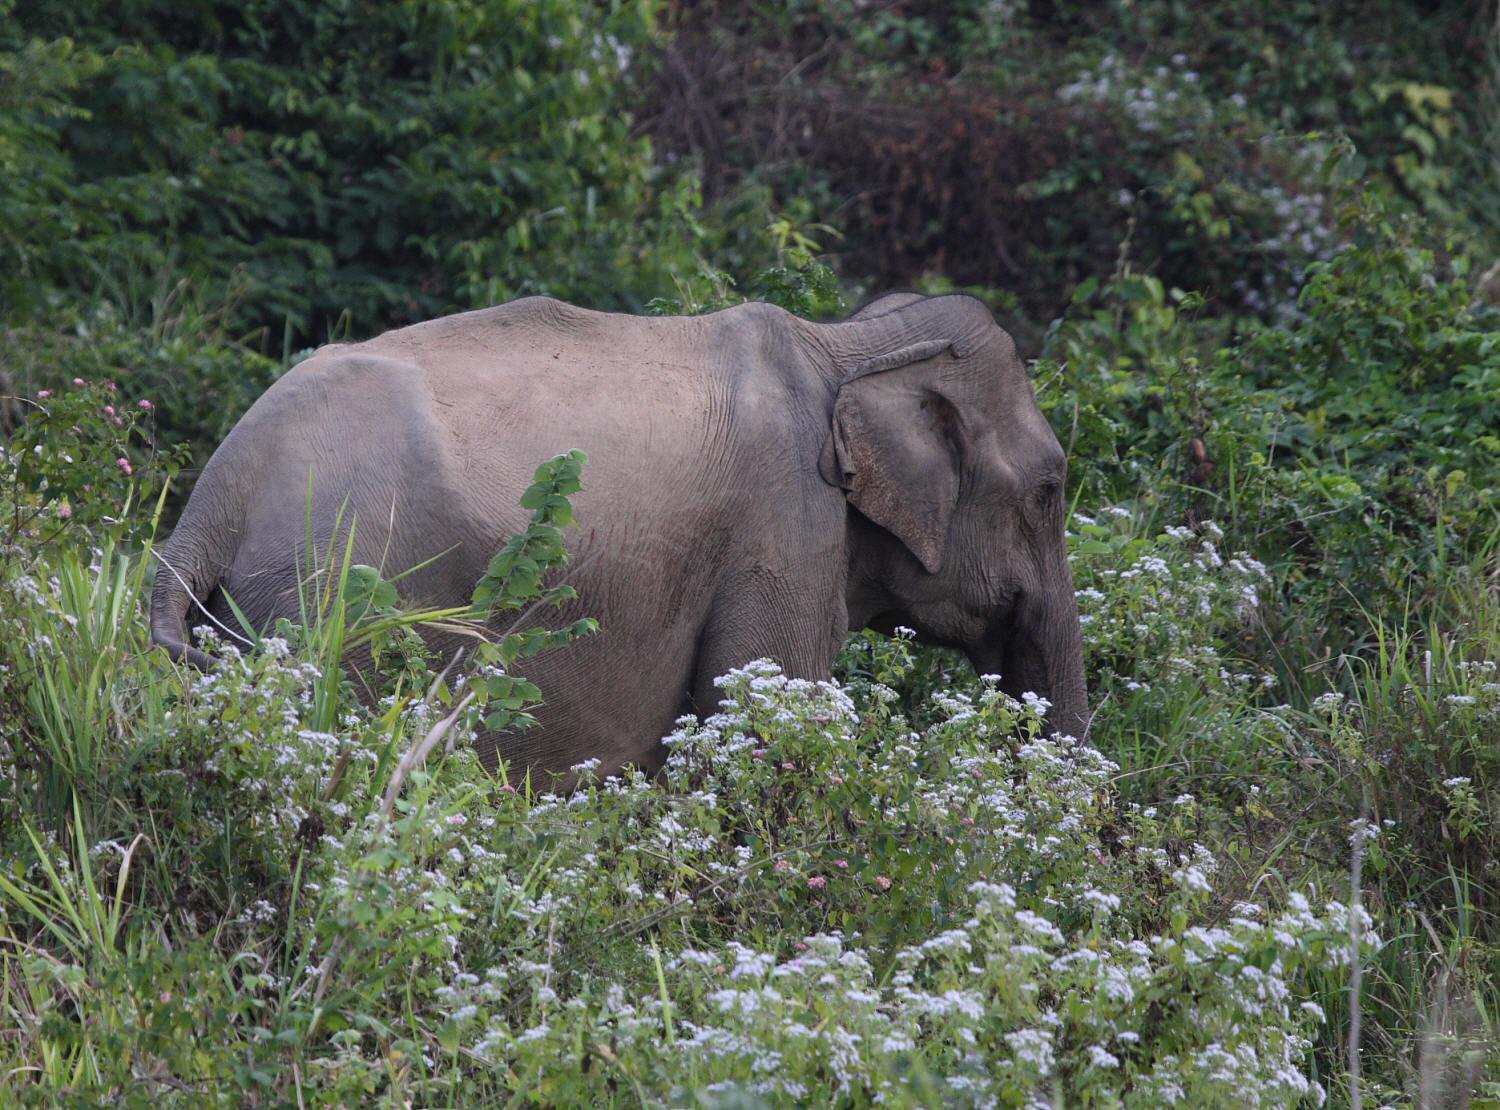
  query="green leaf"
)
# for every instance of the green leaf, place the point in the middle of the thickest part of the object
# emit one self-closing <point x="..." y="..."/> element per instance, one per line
<point x="367" y="592"/>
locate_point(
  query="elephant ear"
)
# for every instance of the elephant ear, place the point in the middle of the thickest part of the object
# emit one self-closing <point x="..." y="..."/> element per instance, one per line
<point x="893" y="447"/>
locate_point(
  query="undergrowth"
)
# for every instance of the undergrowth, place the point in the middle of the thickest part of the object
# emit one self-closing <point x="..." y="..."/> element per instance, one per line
<point x="893" y="886"/>
<point x="1268" y="878"/>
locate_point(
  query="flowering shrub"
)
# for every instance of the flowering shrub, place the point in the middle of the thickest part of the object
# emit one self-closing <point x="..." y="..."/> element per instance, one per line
<point x="73" y="459"/>
<point x="1260" y="203"/>
<point x="1010" y="952"/>
<point x="1155" y="610"/>
<point x="816" y="903"/>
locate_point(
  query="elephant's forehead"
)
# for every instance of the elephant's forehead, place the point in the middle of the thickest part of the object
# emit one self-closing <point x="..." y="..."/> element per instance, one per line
<point x="1019" y="436"/>
<point x="988" y="376"/>
<point x="996" y="391"/>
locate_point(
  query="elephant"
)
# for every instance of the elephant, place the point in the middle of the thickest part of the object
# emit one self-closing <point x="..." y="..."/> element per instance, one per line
<point x="757" y="487"/>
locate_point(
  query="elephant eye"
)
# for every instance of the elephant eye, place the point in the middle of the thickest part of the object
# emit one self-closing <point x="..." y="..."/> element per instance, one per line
<point x="1048" y="491"/>
<point x="1043" y="499"/>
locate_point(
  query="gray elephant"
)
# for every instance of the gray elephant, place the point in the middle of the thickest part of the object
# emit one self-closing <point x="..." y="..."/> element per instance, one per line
<point x="757" y="486"/>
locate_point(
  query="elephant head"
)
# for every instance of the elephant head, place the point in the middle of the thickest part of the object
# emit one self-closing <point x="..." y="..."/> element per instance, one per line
<point x="956" y="481"/>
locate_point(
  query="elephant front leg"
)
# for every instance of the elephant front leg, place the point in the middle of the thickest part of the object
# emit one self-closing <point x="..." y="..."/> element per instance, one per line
<point x="798" y="629"/>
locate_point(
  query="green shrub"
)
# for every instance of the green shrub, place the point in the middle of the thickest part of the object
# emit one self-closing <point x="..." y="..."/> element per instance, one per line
<point x="815" y="903"/>
<point x="335" y="167"/>
<point x="1031" y="147"/>
<point x="72" y="462"/>
<point x="1343" y="448"/>
<point x="197" y="380"/>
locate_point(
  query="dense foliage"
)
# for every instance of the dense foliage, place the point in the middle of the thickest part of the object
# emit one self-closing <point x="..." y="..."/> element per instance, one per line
<point x="285" y="173"/>
<point x="385" y="162"/>
<point x="1253" y="250"/>
<point x="1025" y="147"/>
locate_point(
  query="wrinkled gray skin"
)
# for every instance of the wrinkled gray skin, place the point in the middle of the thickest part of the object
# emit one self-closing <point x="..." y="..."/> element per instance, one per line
<point x="756" y="486"/>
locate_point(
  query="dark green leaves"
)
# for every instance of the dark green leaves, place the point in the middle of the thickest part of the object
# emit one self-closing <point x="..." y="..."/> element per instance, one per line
<point x="514" y="576"/>
<point x="391" y="161"/>
<point x="515" y="579"/>
<point x="366" y="592"/>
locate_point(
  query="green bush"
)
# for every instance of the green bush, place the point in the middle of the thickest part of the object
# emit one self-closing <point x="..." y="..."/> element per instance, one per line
<point x="332" y="168"/>
<point x="1345" y="447"/>
<point x="815" y="903"/>
<point x="197" y="380"/>
<point x="1031" y="147"/>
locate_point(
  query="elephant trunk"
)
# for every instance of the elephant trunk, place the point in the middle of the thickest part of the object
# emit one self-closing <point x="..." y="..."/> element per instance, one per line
<point x="1040" y="649"/>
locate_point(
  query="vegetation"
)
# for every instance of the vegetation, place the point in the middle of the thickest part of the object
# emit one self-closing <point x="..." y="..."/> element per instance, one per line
<point x="1253" y="253"/>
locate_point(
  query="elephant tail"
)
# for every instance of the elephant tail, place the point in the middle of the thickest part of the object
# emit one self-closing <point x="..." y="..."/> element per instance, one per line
<point x="190" y="564"/>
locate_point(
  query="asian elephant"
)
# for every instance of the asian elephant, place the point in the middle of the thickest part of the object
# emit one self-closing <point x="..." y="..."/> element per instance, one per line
<point x="757" y="486"/>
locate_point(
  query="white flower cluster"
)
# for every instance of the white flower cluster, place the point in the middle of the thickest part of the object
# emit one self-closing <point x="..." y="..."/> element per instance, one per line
<point x="1017" y="989"/>
<point x="1158" y="621"/>
<point x="1017" y="929"/>
<point x="1168" y="103"/>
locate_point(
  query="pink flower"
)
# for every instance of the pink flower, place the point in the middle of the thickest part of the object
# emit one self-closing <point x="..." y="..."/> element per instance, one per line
<point x="758" y="753"/>
<point x="43" y="394"/>
<point x="165" y="997"/>
<point x="816" y="882"/>
<point x="780" y="866"/>
<point x="507" y="789"/>
<point x="800" y="946"/>
<point x="882" y="882"/>
<point x="80" y="382"/>
<point x="789" y="766"/>
<point x="837" y="780"/>
<point x="109" y="410"/>
<point x="969" y="821"/>
<point x="841" y="864"/>
<point x="124" y="464"/>
<point x="143" y="403"/>
<point x="65" y="510"/>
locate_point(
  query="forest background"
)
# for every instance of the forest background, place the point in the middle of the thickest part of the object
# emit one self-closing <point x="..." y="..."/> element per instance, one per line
<point x="1253" y="251"/>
